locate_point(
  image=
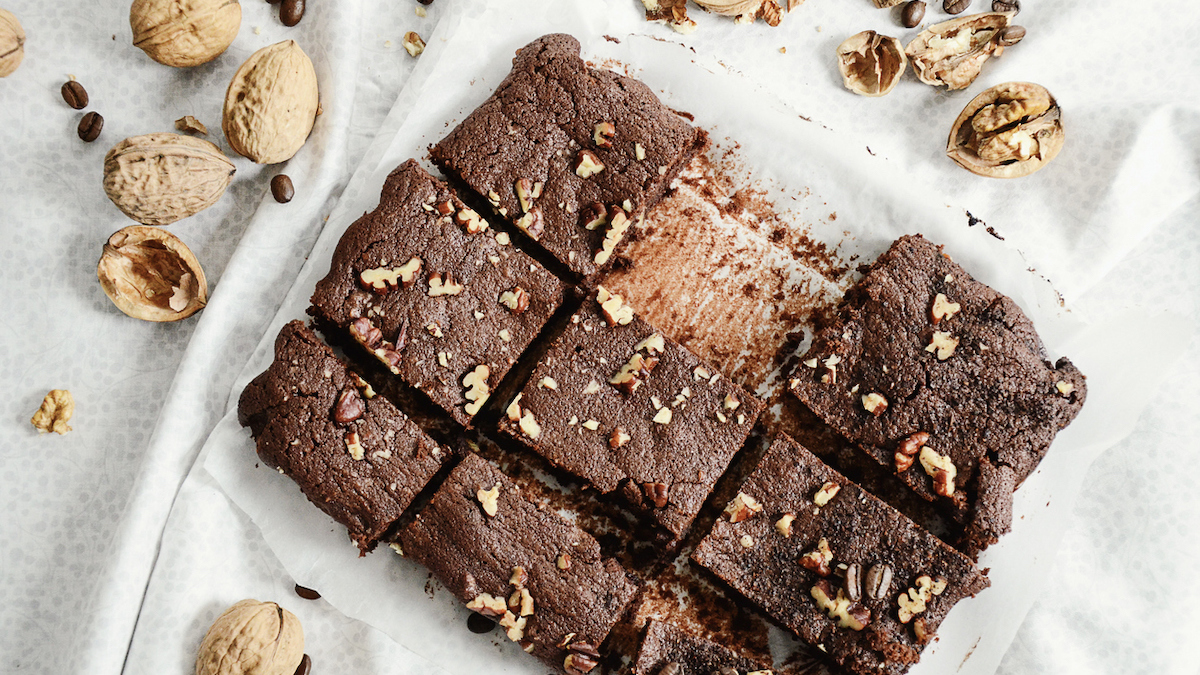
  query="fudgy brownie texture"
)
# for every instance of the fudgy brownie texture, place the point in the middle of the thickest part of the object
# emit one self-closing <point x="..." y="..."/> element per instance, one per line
<point x="441" y="299"/>
<point x="543" y="578"/>
<point x="665" y="644"/>
<point x="352" y="453"/>
<point x="596" y="148"/>
<point x="619" y="405"/>
<point x="944" y="381"/>
<point x="811" y="549"/>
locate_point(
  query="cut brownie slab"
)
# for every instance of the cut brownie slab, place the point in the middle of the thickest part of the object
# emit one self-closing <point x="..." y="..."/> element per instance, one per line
<point x="572" y="155"/>
<point x="668" y="650"/>
<point x="842" y="569"/>
<point x="352" y="453"/>
<point x="617" y="404"/>
<point x="942" y="380"/>
<point x="442" y="300"/>
<point x="542" y="577"/>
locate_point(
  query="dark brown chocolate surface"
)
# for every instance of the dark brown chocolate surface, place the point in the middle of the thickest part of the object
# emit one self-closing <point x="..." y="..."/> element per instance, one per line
<point x="990" y="399"/>
<point x="474" y="553"/>
<point x="665" y="643"/>
<point x="292" y="411"/>
<point x="535" y="126"/>
<point x="761" y="561"/>
<point x="579" y="415"/>
<point x="435" y="329"/>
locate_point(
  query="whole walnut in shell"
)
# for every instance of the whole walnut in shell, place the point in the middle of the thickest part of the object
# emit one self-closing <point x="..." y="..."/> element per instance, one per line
<point x="156" y="179"/>
<point x="151" y="275"/>
<point x="184" y="33"/>
<point x="12" y="43"/>
<point x="271" y="103"/>
<point x="1008" y="131"/>
<point x="252" y="638"/>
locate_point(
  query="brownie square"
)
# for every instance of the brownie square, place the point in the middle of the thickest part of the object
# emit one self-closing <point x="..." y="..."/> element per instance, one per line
<point x="572" y="155"/>
<point x="668" y="650"/>
<point x="542" y="577"/>
<point x="442" y="300"/>
<point x="352" y="453"/>
<point x="812" y="549"/>
<point x="944" y="381"/>
<point x="621" y="406"/>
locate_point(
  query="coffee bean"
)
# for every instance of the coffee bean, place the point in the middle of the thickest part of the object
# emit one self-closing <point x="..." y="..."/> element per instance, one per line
<point x="478" y="623"/>
<point x="1013" y="6"/>
<point x="291" y="11"/>
<point x="879" y="580"/>
<point x="307" y="593"/>
<point x="853" y="582"/>
<point x="1010" y="36"/>
<point x="912" y="13"/>
<point x="955" y="6"/>
<point x="425" y="2"/>
<point x="90" y="126"/>
<point x="74" y="94"/>
<point x="281" y="189"/>
<point x="272" y="2"/>
<point x="672" y="668"/>
<point x="305" y="666"/>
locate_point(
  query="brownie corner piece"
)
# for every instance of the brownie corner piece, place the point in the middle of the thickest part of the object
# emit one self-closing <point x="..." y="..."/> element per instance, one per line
<point x="942" y="380"/>
<point x="573" y="156"/>
<point x="834" y="564"/>
<point x="619" y="405"/>
<point x="352" y="453"/>
<point x="666" y="649"/>
<point x="543" y="578"/>
<point x="430" y="290"/>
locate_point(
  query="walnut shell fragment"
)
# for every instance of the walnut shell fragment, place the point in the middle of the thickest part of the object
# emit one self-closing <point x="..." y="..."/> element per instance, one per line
<point x="1008" y="131"/>
<point x="871" y="64"/>
<point x="151" y="275"/>
<point x="252" y="638"/>
<point x="952" y="53"/>
<point x="271" y="103"/>
<point x="12" y="43"/>
<point x="157" y="179"/>
<point x="184" y="33"/>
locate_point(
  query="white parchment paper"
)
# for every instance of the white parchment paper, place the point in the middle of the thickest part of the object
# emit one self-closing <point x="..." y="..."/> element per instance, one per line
<point x="875" y="203"/>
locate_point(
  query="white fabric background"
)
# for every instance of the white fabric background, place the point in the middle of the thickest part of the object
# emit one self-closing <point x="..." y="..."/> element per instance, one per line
<point x="85" y="521"/>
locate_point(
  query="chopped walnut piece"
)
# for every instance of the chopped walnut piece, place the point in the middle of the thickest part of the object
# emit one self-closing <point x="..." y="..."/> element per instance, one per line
<point x="941" y="468"/>
<point x="489" y="499"/>
<point x="616" y="312"/>
<point x="731" y="402"/>
<point x="514" y="626"/>
<point x="618" y="224"/>
<point x="54" y="413"/>
<point x="443" y="284"/>
<point x="656" y="493"/>
<point x="943" y="345"/>
<point x="818" y="559"/>
<point x="513" y="411"/>
<point x="516" y="300"/>
<point x="943" y="309"/>
<point x="529" y="425"/>
<point x="488" y="605"/>
<point x="471" y="221"/>
<point x="746" y="541"/>
<point x="519" y="577"/>
<point x="603" y="133"/>
<point x="476" y="383"/>
<point x="639" y="151"/>
<point x="913" y="601"/>
<point x="827" y="492"/>
<point x="831" y="363"/>
<point x="908" y="448"/>
<point x="663" y="416"/>
<point x="1064" y="388"/>
<point x="784" y="525"/>
<point x="563" y="561"/>
<point x="592" y="387"/>
<point x="587" y="164"/>
<point x="532" y="223"/>
<point x="591" y="425"/>
<point x="875" y="403"/>
<point x="354" y="446"/>
<point x="381" y="279"/>
<point x="742" y="507"/>
<point x="619" y="438"/>
<point x="849" y="614"/>
<point x="413" y="44"/>
<point x="548" y="383"/>
<point x="701" y="373"/>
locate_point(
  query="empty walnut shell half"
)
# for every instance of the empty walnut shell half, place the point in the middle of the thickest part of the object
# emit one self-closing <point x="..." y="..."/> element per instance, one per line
<point x="151" y="275"/>
<point x="952" y="53"/>
<point x="871" y="64"/>
<point x="1008" y="131"/>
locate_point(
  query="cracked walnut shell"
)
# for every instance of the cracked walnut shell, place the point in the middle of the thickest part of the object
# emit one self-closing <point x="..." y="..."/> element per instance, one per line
<point x="1008" y="131"/>
<point x="952" y="53"/>
<point x="157" y="179"/>
<point x="184" y="33"/>
<point x="871" y="64"/>
<point x="271" y="104"/>
<point x="252" y="638"/>
<point x="12" y="43"/>
<point x="151" y="275"/>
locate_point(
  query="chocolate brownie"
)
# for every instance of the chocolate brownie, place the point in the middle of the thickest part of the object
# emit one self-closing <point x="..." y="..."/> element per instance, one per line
<point x="942" y="380"/>
<point x="437" y="296"/>
<point x="668" y="650"/>
<point x="619" y="405"/>
<point x="542" y="577"/>
<point x="813" y="550"/>
<point x="352" y="453"/>
<point x="573" y="156"/>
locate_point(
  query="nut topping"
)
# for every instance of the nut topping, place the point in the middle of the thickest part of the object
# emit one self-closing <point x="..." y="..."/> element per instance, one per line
<point x="875" y="403"/>
<point x="784" y="525"/>
<point x="1065" y="388"/>
<point x="849" y="614"/>
<point x="476" y="383"/>
<point x="616" y="312"/>
<point x="603" y="134"/>
<point x="587" y="164"/>
<point x="818" y="560"/>
<point x="349" y="406"/>
<point x="943" y="309"/>
<point x="827" y="492"/>
<point x="532" y="223"/>
<point x="490" y="501"/>
<point x="742" y="507"/>
<point x="488" y="605"/>
<point x="1008" y="131"/>
<point x="593" y="216"/>
<point x="941" y="468"/>
<point x="443" y="284"/>
<point x="524" y="190"/>
<point x="952" y="53"/>
<point x="908" y="448"/>
<point x="619" y="438"/>
<point x="354" y="446"/>
<point x="942" y="344"/>
<point x="516" y="300"/>
<point x="657" y="493"/>
<point x="381" y="279"/>
<point x="618" y="224"/>
<point x="529" y="425"/>
<point x="914" y="601"/>
<point x="871" y="64"/>
<point x="470" y="221"/>
<point x="54" y="413"/>
<point x="663" y="416"/>
<point x="563" y="561"/>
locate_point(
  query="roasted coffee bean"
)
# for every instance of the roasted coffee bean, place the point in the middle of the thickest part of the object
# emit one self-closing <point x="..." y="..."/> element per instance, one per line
<point x="912" y="13"/>
<point x="74" y="94"/>
<point x="955" y="6"/>
<point x="853" y="582"/>
<point x="671" y="668"/>
<point x="305" y="666"/>
<point x="1010" y="36"/>
<point x="291" y="11"/>
<point x="480" y="624"/>
<point x="425" y="2"/>
<point x="282" y="189"/>
<point x="585" y="648"/>
<point x="307" y="593"/>
<point x="272" y="2"/>
<point x="879" y="580"/>
<point x="90" y="126"/>
<point x="1006" y="6"/>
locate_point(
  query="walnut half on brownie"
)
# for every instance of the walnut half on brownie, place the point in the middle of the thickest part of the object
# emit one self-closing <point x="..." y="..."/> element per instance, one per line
<point x="942" y="380"/>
